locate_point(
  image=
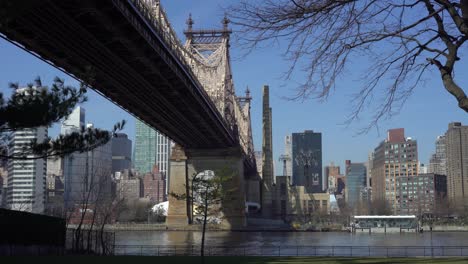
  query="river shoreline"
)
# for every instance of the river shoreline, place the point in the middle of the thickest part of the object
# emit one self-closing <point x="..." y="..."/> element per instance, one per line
<point x="163" y="227"/>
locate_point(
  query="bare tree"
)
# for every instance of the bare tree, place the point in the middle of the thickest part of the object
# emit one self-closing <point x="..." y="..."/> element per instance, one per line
<point x="380" y="207"/>
<point x="401" y="40"/>
<point x="92" y="210"/>
<point x="207" y="197"/>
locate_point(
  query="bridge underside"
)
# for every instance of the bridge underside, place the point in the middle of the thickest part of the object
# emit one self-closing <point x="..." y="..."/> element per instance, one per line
<point x="127" y="61"/>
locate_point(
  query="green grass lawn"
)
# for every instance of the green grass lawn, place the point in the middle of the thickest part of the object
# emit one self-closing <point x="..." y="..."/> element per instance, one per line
<point x="230" y="260"/>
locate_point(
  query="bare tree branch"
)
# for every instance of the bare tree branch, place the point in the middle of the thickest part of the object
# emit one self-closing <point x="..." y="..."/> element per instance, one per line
<point x="399" y="40"/>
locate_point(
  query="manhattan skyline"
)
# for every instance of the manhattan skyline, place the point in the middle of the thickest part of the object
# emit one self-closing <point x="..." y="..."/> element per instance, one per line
<point x="425" y="116"/>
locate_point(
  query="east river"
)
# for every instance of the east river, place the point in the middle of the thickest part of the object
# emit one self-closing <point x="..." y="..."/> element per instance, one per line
<point x="268" y="239"/>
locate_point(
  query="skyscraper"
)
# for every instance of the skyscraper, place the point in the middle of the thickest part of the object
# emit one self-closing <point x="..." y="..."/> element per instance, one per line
<point x="121" y="153"/>
<point x="74" y="122"/>
<point x="163" y="152"/>
<point x="88" y="172"/>
<point x="356" y="182"/>
<point x="438" y="161"/>
<point x="394" y="157"/>
<point x="457" y="163"/>
<point x="26" y="181"/>
<point x="26" y="178"/>
<point x="145" y="147"/>
<point x="307" y="161"/>
<point x="152" y="148"/>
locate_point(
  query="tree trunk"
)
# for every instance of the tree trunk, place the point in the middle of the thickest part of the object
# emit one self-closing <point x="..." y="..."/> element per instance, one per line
<point x="205" y="215"/>
<point x="103" y="245"/>
<point x="90" y="229"/>
<point x="454" y="89"/>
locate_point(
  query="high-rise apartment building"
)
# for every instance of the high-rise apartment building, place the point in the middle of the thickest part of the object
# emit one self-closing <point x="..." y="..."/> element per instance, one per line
<point x="307" y="161"/>
<point x="151" y="148"/>
<point x="438" y="161"/>
<point x="421" y="194"/>
<point x="26" y="178"/>
<point x="457" y="163"/>
<point x="121" y="153"/>
<point x="356" y="181"/>
<point x="396" y="156"/>
<point x="88" y="172"/>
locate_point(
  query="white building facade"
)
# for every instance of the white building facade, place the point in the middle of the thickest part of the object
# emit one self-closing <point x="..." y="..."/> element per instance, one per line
<point x="26" y="178"/>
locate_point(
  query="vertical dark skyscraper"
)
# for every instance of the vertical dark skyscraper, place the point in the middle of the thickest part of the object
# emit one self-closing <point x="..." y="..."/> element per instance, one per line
<point x="121" y="153"/>
<point x="307" y="160"/>
<point x="355" y="182"/>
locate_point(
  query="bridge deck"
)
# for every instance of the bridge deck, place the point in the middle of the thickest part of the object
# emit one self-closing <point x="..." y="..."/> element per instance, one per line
<point x="130" y="63"/>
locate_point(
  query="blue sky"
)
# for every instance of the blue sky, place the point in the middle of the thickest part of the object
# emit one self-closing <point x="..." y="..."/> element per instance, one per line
<point x="425" y="115"/>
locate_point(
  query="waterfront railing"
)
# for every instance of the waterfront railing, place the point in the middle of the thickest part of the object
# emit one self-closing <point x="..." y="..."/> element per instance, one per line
<point x="332" y="251"/>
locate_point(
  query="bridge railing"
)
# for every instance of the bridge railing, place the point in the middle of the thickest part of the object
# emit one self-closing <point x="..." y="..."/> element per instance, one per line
<point x="156" y="17"/>
<point x="155" y="14"/>
<point x="320" y="251"/>
<point x="243" y="127"/>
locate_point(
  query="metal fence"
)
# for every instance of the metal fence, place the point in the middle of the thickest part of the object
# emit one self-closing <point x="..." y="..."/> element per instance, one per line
<point x="332" y="251"/>
<point x="90" y="242"/>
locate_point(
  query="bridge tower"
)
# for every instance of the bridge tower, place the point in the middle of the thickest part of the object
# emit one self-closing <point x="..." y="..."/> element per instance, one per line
<point x="210" y="62"/>
<point x="207" y="54"/>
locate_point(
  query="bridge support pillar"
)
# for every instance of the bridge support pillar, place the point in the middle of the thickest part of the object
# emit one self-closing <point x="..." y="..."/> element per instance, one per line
<point x="178" y="213"/>
<point x="230" y="163"/>
<point x="221" y="161"/>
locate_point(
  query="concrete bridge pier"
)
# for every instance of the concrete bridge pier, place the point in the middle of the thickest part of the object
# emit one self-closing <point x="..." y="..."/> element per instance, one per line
<point x="228" y="162"/>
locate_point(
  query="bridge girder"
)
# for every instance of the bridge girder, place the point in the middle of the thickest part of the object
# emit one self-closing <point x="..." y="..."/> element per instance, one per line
<point x="136" y="61"/>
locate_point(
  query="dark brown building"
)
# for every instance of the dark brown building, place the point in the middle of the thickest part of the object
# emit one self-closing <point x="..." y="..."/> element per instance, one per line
<point x="154" y="186"/>
<point x="421" y="194"/>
